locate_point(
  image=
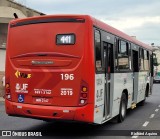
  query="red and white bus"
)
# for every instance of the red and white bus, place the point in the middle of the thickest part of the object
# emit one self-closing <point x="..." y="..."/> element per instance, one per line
<point x="74" y="67"/>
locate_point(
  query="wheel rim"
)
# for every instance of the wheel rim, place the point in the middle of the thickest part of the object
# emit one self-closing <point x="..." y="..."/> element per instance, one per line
<point x="123" y="109"/>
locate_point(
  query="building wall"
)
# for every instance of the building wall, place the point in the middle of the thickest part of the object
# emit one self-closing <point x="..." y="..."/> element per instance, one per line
<point x="2" y="59"/>
<point x="3" y="34"/>
<point x="26" y="11"/>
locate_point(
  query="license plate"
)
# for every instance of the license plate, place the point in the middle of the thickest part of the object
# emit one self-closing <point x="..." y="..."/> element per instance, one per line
<point x="42" y="100"/>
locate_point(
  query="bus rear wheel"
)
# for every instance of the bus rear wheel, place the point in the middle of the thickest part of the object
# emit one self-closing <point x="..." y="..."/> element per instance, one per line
<point x="122" y="109"/>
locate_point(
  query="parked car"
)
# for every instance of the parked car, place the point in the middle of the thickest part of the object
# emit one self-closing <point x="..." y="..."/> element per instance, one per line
<point x="157" y="78"/>
<point x="3" y="81"/>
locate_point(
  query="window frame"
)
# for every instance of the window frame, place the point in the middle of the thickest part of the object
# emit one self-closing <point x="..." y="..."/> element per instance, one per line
<point x="95" y="53"/>
<point x="146" y="59"/>
<point x="127" y="54"/>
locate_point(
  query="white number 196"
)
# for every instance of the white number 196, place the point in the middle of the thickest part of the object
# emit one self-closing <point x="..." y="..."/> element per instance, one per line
<point x="67" y="76"/>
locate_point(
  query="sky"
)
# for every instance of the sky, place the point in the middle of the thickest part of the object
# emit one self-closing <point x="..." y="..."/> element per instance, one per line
<point x="140" y="18"/>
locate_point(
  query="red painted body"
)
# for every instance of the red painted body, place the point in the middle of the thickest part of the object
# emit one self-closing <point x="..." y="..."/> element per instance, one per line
<point x="37" y="42"/>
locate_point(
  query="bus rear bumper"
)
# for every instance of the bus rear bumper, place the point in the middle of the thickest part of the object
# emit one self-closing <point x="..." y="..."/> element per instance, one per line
<point x="84" y="113"/>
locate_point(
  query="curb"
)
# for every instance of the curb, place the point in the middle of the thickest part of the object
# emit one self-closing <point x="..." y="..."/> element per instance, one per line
<point x="1" y="99"/>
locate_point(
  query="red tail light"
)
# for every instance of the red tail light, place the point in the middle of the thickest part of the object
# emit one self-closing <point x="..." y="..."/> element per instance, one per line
<point x="83" y="94"/>
<point x="8" y="92"/>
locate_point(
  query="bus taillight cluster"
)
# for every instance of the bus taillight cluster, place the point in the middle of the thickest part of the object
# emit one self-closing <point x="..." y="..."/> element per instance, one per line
<point x="8" y="92"/>
<point x="83" y="93"/>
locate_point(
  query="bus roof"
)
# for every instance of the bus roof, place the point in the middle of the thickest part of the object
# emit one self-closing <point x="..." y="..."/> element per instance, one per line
<point x="95" y="22"/>
<point x="119" y="33"/>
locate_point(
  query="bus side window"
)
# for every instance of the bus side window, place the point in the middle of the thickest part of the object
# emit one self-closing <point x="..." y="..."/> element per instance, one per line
<point x="141" y="59"/>
<point x="123" y="55"/>
<point x="98" y="50"/>
<point x="146" y="60"/>
<point x="129" y="54"/>
<point x="116" y="53"/>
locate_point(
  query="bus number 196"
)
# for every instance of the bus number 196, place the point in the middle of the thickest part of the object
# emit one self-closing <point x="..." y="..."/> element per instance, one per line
<point x="67" y="76"/>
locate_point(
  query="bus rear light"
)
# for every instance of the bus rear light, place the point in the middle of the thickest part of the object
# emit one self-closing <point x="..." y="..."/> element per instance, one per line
<point x="82" y="101"/>
<point x="84" y="89"/>
<point x="7" y="85"/>
<point x="83" y="93"/>
<point x="8" y="96"/>
<point x="8" y="92"/>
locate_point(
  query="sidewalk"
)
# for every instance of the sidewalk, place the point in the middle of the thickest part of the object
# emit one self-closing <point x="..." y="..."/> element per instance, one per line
<point x="1" y="99"/>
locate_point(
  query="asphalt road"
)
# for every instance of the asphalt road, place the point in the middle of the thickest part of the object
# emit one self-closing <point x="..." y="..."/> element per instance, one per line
<point x="145" y="117"/>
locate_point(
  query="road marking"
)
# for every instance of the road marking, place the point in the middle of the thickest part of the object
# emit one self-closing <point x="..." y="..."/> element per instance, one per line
<point x="156" y="110"/>
<point x="146" y="123"/>
<point x="152" y="115"/>
<point x="134" y="137"/>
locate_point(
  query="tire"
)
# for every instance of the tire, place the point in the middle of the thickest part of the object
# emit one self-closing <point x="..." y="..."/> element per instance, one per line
<point x="122" y="109"/>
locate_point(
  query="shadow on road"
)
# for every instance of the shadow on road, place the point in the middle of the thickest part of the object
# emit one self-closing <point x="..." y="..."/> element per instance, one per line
<point x="68" y="129"/>
<point x="63" y="128"/>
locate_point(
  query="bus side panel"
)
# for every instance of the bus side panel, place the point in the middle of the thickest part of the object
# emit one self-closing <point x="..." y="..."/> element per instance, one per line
<point x="142" y="86"/>
<point x="99" y="98"/>
<point x="122" y="81"/>
<point x="129" y="88"/>
<point x="136" y="82"/>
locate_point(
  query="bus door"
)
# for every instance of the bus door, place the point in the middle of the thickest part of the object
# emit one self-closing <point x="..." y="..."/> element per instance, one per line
<point x="135" y="74"/>
<point x="107" y="68"/>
